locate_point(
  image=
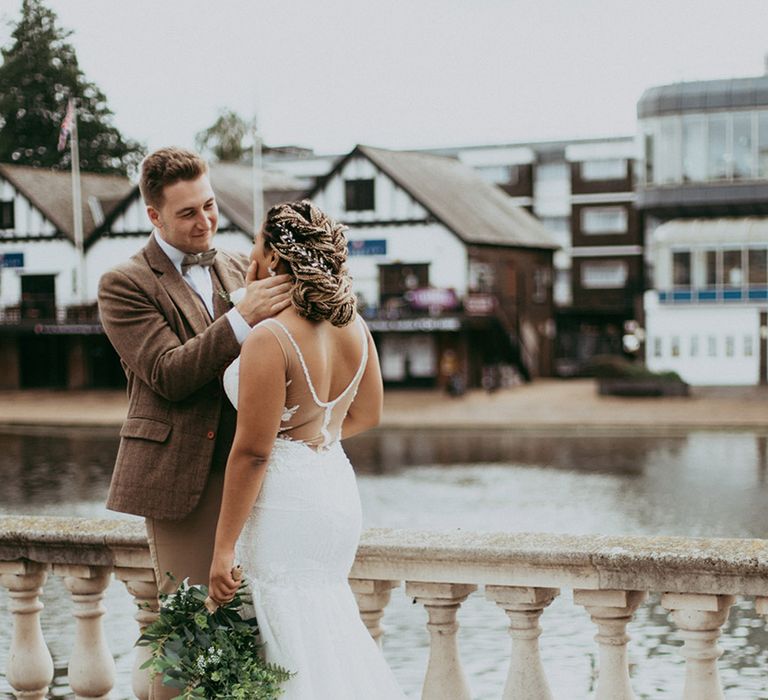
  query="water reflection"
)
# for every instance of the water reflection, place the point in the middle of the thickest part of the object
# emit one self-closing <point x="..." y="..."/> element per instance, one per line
<point x="687" y="483"/>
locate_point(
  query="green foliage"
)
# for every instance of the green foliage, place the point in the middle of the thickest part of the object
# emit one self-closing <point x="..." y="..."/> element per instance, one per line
<point x="206" y="655"/>
<point x="617" y="367"/>
<point x="225" y="137"/>
<point x="38" y="75"/>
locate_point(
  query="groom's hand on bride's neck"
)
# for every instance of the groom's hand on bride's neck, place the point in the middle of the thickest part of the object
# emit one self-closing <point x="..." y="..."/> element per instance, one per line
<point x="264" y="298"/>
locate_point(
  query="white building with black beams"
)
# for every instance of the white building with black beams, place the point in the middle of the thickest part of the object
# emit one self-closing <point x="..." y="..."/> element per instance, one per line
<point x="446" y="267"/>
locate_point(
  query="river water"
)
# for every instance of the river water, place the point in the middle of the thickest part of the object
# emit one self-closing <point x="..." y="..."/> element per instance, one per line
<point x="696" y="483"/>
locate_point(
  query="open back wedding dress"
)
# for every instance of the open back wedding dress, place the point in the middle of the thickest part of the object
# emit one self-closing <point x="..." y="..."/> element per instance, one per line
<point x="299" y="543"/>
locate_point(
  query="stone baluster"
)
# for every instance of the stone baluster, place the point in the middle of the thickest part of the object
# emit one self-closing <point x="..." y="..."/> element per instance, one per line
<point x="523" y="605"/>
<point x="445" y="676"/>
<point x="611" y="611"/>
<point x="30" y="666"/>
<point x="699" y="618"/>
<point x="372" y="597"/>
<point x="142" y="586"/>
<point x="91" y="666"/>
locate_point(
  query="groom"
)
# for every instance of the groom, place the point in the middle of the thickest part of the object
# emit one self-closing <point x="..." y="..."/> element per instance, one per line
<point x="166" y="311"/>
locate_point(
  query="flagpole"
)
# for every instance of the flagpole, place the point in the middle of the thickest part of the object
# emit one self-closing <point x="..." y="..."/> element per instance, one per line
<point x="258" y="185"/>
<point x="77" y="209"/>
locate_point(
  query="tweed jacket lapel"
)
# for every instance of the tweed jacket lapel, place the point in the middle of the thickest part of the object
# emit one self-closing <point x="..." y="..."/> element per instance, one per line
<point x="188" y="303"/>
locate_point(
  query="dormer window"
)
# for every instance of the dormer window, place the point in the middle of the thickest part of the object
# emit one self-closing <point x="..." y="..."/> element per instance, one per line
<point x="359" y="195"/>
<point x="7" y="219"/>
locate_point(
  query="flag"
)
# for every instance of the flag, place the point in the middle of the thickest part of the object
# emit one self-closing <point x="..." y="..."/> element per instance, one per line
<point x="66" y="124"/>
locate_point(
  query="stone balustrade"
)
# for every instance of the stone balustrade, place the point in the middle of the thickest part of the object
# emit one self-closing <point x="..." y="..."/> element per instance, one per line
<point x="521" y="573"/>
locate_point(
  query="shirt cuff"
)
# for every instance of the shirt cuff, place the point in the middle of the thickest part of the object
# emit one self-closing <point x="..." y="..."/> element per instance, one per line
<point x="240" y="327"/>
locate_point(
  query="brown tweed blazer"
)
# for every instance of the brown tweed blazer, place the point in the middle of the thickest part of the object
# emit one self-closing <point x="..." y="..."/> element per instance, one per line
<point x="173" y="356"/>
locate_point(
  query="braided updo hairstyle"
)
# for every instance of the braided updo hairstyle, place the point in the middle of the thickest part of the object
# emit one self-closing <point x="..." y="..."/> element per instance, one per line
<point x="314" y="247"/>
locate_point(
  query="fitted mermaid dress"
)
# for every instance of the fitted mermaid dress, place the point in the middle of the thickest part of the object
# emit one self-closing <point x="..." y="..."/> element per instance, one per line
<point x="299" y="542"/>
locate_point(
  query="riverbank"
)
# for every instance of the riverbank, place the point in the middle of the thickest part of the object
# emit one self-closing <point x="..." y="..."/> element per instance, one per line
<point x="545" y="403"/>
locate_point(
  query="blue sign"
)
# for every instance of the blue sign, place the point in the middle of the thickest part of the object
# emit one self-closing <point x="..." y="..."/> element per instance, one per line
<point x="370" y="247"/>
<point x="12" y="260"/>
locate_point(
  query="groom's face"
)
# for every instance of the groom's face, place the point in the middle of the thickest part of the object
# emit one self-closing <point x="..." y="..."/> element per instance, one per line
<point x="188" y="216"/>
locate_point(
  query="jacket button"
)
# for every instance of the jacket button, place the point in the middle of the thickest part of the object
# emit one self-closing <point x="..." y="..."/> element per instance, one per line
<point x="211" y="435"/>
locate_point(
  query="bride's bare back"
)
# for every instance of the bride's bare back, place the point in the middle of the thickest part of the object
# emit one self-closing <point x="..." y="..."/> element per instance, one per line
<point x="324" y="366"/>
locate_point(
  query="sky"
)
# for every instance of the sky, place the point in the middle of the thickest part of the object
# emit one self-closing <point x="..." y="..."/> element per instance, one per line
<point x="327" y="74"/>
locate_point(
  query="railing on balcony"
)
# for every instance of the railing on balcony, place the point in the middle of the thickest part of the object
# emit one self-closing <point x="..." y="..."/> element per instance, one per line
<point x="521" y="573"/>
<point x="714" y="294"/>
<point x="25" y="315"/>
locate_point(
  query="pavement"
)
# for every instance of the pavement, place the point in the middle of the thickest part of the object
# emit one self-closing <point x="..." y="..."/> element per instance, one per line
<point x="542" y="404"/>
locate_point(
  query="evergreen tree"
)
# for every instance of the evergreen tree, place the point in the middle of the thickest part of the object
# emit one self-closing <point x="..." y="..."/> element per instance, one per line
<point x="224" y="138"/>
<point x="38" y="75"/>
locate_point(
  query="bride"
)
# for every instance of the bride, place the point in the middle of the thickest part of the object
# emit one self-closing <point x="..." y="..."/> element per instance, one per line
<point x="290" y="514"/>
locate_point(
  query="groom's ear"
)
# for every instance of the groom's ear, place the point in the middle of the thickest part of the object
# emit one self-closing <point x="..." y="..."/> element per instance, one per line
<point x="154" y="216"/>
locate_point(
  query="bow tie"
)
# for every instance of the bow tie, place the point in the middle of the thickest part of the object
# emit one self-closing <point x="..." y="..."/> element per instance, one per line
<point x="190" y="259"/>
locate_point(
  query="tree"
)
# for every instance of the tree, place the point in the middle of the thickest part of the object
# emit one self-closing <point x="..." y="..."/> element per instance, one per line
<point x="225" y="137"/>
<point x="38" y="75"/>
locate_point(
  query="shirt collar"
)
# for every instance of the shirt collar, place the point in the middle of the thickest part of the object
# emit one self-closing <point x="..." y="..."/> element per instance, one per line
<point x="174" y="254"/>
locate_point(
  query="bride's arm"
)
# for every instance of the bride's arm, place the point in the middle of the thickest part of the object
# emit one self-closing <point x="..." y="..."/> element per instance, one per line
<point x="261" y="396"/>
<point x="365" y="411"/>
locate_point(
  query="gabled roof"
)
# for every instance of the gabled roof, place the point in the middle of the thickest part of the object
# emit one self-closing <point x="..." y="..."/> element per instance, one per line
<point x="233" y="184"/>
<point x="454" y="194"/>
<point x="50" y="191"/>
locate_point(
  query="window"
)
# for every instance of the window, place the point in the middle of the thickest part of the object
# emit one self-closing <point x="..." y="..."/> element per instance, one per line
<point x="604" y="274"/>
<point x="668" y="162"/>
<point x="717" y="160"/>
<point x="608" y="169"/>
<point x="397" y="279"/>
<point x="7" y="219"/>
<point x="712" y="346"/>
<point x="694" y="148"/>
<point x="762" y="143"/>
<point x="541" y="281"/>
<point x="711" y="278"/>
<point x="597" y="220"/>
<point x="675" y="346"/>
<point x="732" y="269"/>
<point x="730" y="346"/>
<point x="694" y="348"/>
<point x="648" y="154"/>
<point x="742" y="145"/>
<point x="757" y="270"/>
<point x="681" y="269"/>
<point x="749" y="346"/>
<point x="359" y="195"/>
<point x="657" y="349"/>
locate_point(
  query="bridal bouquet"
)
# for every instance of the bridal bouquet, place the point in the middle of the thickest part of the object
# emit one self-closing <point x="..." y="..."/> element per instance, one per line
<point x="209" y="651"/>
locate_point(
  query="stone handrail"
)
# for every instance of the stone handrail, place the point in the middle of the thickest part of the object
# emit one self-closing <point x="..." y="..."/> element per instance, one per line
<point x="522" y="573"/>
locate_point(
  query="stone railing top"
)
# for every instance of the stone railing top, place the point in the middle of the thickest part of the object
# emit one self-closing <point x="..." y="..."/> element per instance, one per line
<point x="674" y="564"/>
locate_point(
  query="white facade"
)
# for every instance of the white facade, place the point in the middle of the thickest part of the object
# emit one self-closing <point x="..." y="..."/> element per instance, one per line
<point x="705" y="345"/>
<point x="45" y="255"/>
<point x="402" y="223"/>
<point x="711" y="287"/>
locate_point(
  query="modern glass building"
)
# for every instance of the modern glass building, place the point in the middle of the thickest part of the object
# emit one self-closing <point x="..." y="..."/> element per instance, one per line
<point x="703" y="196"/>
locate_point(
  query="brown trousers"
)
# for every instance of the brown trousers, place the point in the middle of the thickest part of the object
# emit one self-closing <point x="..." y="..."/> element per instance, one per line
<point x="184" y="548"/>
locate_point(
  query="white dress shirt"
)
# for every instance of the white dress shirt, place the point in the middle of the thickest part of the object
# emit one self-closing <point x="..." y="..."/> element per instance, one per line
<point x="199" y="279"/>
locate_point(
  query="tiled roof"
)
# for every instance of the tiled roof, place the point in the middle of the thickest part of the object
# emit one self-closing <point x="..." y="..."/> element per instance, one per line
<point x="474" y="209"/>
<point x="51" y="192"/>
<point x="233" y="185"/>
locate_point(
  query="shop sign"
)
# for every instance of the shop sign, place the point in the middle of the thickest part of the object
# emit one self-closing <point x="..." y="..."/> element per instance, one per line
<point x="432" y="299"/>
<point x="368" y="247"/>
<point x="479" y="304"/>
<point x="11" y="259"/>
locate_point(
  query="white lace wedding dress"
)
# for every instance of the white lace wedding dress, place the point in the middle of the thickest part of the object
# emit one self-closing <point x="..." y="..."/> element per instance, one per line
<point x="299" y="543"/>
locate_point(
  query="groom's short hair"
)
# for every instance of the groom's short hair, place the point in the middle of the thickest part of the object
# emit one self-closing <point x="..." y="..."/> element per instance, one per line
<point x="167" y="166"/>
